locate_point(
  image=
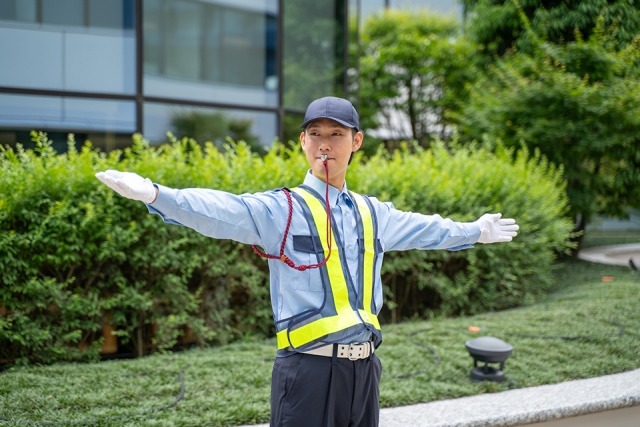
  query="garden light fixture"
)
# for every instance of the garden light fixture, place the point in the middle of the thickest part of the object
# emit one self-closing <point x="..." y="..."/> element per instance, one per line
<point x="488" y="350"/>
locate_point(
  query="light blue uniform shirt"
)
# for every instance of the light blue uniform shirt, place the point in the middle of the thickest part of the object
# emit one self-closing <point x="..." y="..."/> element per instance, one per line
<point x="260" y="219"/>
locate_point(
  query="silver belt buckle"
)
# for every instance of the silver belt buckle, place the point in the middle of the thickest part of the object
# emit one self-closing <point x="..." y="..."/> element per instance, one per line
<point x="352" y="348"/>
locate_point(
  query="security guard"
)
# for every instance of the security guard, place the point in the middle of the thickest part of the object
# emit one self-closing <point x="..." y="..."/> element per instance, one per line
<point x="326" y="373"/>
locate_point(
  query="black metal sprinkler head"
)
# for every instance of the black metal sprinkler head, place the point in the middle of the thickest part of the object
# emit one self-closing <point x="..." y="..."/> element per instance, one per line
<point x="488" y="350"/>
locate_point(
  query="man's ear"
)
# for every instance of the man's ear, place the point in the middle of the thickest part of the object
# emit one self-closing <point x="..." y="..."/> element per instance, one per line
<point x="302" y="135"/>
<point x="357" y="141"/>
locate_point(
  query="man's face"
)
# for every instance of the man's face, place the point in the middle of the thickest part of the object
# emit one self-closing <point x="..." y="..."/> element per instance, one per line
<point x="326" y="136"/>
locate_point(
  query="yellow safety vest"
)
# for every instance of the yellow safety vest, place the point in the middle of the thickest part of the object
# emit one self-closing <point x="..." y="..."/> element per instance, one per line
<point x="338" y="312"/>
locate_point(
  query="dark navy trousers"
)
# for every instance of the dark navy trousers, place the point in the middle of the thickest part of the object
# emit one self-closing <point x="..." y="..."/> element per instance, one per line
<point x="319" y="391"/>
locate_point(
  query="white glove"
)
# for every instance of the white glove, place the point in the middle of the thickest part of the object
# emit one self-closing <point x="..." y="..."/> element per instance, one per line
<point x="129" y="185"/>
<point x="493" y="229"/>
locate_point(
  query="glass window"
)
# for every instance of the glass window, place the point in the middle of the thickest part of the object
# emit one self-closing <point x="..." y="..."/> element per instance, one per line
<point x="112" y="14"/>
<point x="232" y="42"/>
<point x="153" y="36"/>
<point x="211" y="50"/>
<point x="183" y="30"/>
<point x="7" y="10"/>
<point x="208" y="124"/>
<point x="313" y="51"/>
<point x="74" y="13"/>
<point x="69" y="114"/>
<point x="67" y="55"/>
<point x="18" y="10"/>
<point x="63" y="12"/>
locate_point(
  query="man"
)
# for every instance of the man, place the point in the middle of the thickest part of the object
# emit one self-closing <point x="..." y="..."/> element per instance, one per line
<point x="326" y="373"/>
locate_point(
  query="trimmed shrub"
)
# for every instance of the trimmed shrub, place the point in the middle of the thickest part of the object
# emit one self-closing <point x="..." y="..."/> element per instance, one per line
<point x="75" y="255"/>
<point x="463" y="184"/>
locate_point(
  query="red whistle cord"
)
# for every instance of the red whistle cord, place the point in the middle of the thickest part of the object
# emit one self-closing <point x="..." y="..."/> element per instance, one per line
<point x="282" y="257"/>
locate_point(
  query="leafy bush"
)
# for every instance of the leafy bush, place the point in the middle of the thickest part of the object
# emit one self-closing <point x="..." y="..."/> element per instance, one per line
<point x="75" y="255"/>
<point x="463" y="185"/>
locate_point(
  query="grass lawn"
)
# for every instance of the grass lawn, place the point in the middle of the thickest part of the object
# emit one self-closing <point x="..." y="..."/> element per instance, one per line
<point x="229" y="385"/>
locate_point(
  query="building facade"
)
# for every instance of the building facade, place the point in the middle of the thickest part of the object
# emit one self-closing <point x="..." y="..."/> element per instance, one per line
<point x="104" y="69"/>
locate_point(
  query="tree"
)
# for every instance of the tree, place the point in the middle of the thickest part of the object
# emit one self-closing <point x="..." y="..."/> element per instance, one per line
<point x="497" y="26"/>
<point x="415" y="68"/>
<point x="577" y="103"/>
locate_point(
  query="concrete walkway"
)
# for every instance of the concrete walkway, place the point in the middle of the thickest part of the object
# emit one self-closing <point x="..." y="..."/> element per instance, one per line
<point x="522" y="406"/>
<point x="614" y="254"/>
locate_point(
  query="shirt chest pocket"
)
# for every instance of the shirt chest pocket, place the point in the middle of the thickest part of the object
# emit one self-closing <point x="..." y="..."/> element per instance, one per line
<point x="307" y="250"/>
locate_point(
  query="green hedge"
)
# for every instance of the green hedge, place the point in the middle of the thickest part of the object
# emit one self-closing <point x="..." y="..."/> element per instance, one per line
<point x="75" y="255"/>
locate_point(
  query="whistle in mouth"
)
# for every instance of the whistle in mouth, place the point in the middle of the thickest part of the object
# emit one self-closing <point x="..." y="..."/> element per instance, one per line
<point x="323" y="157"/>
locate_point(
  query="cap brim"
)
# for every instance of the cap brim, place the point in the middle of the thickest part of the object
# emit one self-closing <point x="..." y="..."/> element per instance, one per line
<point x="343" y="123"/>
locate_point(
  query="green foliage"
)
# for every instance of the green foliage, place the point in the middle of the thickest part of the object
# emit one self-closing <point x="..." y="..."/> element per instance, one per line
<point x="579" y="104"/>
<point x="414" y="68"/>
<point x="76" y="255"/>
<point x="497" y="26"/>
<point x="464" y="185"/>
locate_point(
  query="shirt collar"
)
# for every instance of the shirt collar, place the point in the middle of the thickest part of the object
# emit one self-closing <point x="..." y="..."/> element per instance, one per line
<point x="319" y="186"/>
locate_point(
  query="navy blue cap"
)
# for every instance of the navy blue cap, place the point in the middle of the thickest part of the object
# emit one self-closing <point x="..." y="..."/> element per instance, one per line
<point x="330" y="107"/>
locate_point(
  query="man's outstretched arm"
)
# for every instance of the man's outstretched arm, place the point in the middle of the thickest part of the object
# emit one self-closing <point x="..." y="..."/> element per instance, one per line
<point x="407" y="230"/>
<point x="213" y="213"/>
